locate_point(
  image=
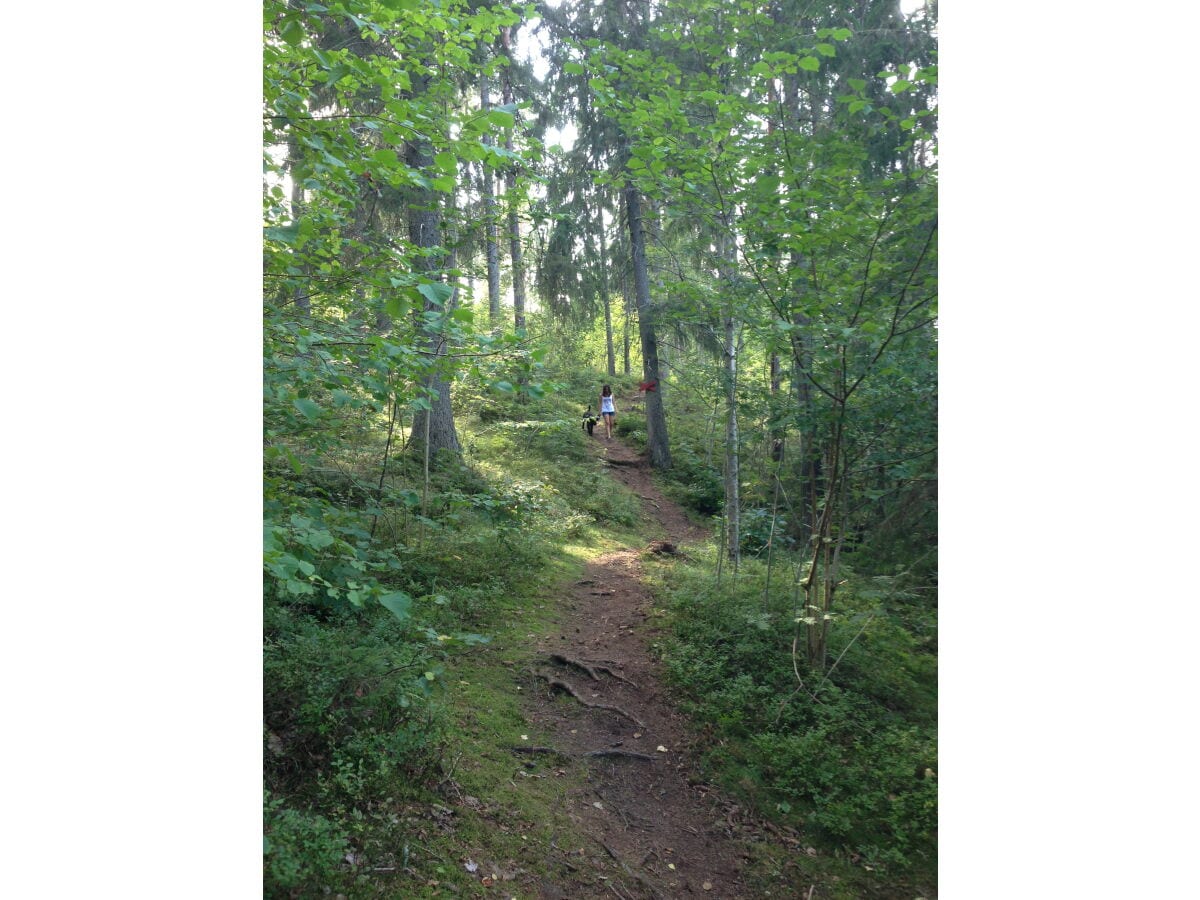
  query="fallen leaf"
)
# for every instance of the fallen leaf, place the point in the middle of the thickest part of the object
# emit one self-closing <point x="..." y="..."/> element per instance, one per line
<point x="671" y="866"/>
<point x="598" y="805"/>
<point x="707" y="885"/>
<point x="524" y="737"/>
<point x="662" y="749"/>
<point x="637" y="734"/>
<point x="471" y="866"/>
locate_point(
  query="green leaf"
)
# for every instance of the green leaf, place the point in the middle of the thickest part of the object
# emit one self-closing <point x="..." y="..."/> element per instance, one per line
<point x="397" y="307"/>
<point x="446" y="162"/>
<point x="319" y="540"/>
<point x="285" y="234"/>
<point x="292" y="33"/>
<point x="397" y="603"/>
<point x="462" y="314"/>
<point x="385" y="157"/>
<point x="437" y="293"/>
<point x="504" y="386"/>
<point x="810" y="63"/>
<point x="826" y="50"/>
<point x="445" y="184"/>
<point x="573" y="68"/>
<point x="307" y="408"/>
<point x="500" y="118"/>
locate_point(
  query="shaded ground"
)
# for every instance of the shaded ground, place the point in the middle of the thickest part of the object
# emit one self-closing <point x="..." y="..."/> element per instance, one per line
<point x="658" y="830"/>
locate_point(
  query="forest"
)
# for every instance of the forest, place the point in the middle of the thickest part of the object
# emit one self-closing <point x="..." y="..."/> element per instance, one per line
<point x="474" y="216"/>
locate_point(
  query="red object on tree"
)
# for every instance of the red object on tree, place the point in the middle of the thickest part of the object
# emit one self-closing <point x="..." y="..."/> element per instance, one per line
<point x="647" y="386"/>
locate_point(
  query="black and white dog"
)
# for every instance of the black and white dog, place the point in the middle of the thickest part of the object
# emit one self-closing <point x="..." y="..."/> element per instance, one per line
<point x="589" y="420"/>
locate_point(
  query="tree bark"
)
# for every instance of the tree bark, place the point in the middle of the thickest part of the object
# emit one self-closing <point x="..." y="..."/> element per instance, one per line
<point x="728" y="255"/>
<point x="437" y="422"/>
<point x="299" y="297"/>
<point x="514" y="222"/>
<point x="605" y="298"/>
<point x="732" y="458"/>
<point x="656" y="421"/>
<point x="493" y="229"/>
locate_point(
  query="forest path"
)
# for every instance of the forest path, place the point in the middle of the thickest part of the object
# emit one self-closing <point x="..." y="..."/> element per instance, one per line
<point x="659" y="831"/>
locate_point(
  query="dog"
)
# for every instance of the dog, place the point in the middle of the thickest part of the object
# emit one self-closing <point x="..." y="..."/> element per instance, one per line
<point x="589" y="421"/>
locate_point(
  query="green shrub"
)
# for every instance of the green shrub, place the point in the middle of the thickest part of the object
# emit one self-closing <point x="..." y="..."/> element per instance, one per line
<point x="854" y="767"/>
<point x="691" y="483"/>
<point x="300" y="850"/>
<point x="337" y="688"/>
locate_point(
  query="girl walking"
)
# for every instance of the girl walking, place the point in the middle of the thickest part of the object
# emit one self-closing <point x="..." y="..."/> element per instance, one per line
<point x="607" y="410"/>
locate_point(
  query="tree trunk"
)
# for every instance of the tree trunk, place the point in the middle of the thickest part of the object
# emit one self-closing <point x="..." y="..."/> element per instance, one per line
<point x="777" y="433"/>
<point x="732" y="459"/>
<point x="436" y="423"/>
<point x="626" y="293"/>
<point x="514" y="222"/>
<point x="728" y="264"/>
<point x="493" y="229"/>
<point x="656" y="421"/>
<point x="299" y="295"/>
<point x="605" y="299"/>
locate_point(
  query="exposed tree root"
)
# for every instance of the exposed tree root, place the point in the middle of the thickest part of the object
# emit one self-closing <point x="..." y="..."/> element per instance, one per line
<point x="612" y="752"/>
<point x="646" y="882"/>
<point x="550" y="750"/>
<point x="604" y="751"/>
<point x="600" y="668"/>
<point x="566" y="688"/>
<point x="591" y="667"/>
<point x="574" y="664"/>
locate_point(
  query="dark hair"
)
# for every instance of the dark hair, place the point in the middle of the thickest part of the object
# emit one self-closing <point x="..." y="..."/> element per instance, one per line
<point x="605" y="391"/>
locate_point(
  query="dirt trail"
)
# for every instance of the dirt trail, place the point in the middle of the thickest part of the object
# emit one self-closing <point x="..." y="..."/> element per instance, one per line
<point x="658" y="831"/>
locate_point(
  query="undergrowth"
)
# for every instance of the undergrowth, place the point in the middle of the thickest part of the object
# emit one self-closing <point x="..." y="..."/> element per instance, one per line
<point x="386" y="603"/>
<point x="848" y="756"/>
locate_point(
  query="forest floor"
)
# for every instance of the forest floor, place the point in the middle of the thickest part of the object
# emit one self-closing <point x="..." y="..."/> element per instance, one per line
<point x="576" y="775"/>
<point x="595" y="693"/>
